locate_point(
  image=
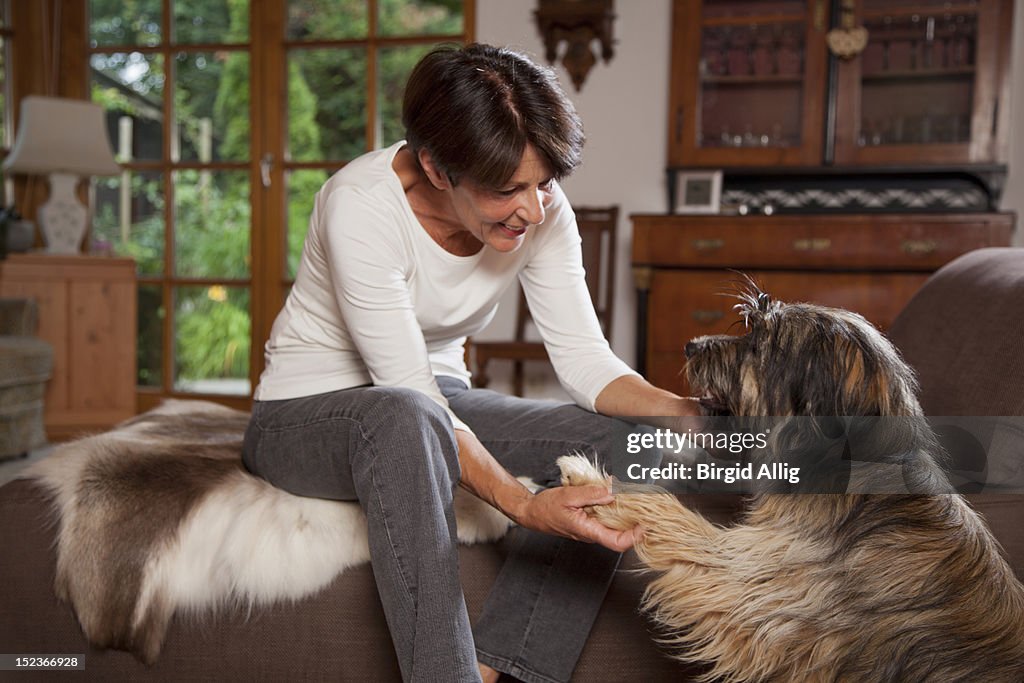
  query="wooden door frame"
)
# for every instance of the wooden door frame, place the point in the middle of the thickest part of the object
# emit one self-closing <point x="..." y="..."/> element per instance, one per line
<point x="269" y="85"/>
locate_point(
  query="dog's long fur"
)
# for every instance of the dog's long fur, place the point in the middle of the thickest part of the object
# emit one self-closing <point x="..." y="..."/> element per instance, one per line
<point x="159" y="516"/>
<point x="828" y="587"/>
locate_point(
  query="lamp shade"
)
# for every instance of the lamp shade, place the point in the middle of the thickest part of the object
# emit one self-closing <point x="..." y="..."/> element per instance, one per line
<point x="57" y="135"/>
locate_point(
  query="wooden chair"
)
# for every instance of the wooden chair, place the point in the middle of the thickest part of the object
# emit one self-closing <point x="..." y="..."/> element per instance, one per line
<point x="597" y="227"/>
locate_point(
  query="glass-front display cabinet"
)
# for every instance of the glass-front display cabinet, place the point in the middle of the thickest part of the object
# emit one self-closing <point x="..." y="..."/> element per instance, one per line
<point x="754" y="83"/>
<point x="748" y="82"/>
<point x="927" y="85"/>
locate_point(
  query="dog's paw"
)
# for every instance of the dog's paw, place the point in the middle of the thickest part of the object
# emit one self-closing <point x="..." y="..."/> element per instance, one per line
<point x="578" y="471"/>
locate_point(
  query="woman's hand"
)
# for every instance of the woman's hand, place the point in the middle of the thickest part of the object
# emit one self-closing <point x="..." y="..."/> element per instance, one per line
<point x="560" y="511"/>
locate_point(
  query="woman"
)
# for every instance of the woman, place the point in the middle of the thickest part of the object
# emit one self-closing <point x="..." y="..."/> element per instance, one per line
<point x="366" y="395"/>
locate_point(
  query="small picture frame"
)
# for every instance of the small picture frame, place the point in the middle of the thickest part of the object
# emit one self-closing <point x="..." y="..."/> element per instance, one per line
<point x="698" y="192"/>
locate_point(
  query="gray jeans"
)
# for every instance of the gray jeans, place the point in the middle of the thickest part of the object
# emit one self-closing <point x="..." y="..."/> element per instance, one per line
<point x="394" y="451"/>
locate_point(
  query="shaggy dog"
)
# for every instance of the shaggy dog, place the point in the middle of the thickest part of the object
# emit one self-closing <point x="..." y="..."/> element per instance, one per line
<point x="829" y="587"/>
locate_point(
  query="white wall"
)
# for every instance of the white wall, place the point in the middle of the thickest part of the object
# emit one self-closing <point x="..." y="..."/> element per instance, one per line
<point x="623" y="105"/>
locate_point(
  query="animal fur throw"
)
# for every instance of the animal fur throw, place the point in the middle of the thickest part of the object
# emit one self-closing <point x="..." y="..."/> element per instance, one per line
<point x="159" y="516"/>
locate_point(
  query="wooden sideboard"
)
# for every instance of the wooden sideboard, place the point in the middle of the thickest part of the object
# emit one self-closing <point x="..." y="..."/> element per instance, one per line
<point x="87" y="311"/>
<point x="872" y="264"/>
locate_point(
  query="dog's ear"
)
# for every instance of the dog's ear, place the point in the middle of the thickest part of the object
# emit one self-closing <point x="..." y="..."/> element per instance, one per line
<point x="876" y="380"/>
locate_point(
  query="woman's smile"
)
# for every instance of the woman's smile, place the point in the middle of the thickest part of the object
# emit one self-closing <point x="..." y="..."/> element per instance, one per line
<point x="513" y="232"/>
<point x="464" y="217"/>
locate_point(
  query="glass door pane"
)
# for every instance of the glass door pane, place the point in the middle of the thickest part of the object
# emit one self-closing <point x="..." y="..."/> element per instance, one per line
<point x="129" y="219"/>
<point x="420" y="17"/>
<point x="212" y="215"/>
<point x="744" y="64"/>
<point x="748" y="83"/>
<point x="210" y="21"/>
<point x="211" y="340"/>
<point x="118" y="23"/>
<point x="327" y="103"/>
<point x="211" y="98"/>
<point x="917" y="73"/>
<point x="130" y="86"/>
<point x="327" y="19"/>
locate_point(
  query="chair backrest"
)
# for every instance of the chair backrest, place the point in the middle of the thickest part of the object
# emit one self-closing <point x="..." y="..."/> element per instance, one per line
<point x="597" y="227"/>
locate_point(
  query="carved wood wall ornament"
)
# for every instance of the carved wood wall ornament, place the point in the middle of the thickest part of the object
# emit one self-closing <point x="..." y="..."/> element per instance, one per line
<point x="577" y="23"/>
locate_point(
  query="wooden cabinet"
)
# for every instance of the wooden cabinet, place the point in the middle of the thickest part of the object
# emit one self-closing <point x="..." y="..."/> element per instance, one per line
<point x="87" y="311"/>
<point x="753" y="84"/>
<point x="854" y="164"/>
<point x="747" y="83"/>
<point x="931" y="85"/>
<point x="872" y="264"/>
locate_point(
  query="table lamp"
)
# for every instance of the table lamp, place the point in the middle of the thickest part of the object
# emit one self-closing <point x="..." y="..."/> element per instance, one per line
<point x="66" y="139"/>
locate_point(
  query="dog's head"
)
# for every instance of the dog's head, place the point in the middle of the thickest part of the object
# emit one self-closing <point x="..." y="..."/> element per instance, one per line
<point x="800" y="359"/>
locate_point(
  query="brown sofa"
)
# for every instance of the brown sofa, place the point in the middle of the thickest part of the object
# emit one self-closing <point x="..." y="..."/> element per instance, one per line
<point x="962" y="332"/>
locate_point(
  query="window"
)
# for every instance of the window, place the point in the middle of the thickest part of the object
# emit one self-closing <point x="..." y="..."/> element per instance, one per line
<point x="227" y="116"/>
<point x="347" y="61"/>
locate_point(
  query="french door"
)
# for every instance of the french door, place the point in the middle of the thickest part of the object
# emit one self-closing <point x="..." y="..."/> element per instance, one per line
<point x="227" y="116"/>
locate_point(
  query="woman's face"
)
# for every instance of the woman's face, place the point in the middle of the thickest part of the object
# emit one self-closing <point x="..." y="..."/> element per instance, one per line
<point x="501" y="217"/>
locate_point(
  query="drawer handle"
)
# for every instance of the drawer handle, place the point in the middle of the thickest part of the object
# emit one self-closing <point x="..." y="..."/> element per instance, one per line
<point x="919" y="247"/>
<point x="705" y="316"/>
<point x="708" y="245"/>
<point x="812" y="244"/>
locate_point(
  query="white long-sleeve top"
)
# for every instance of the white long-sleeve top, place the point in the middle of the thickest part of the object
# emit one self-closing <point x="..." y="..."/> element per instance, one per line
<point x="377" y="301"/>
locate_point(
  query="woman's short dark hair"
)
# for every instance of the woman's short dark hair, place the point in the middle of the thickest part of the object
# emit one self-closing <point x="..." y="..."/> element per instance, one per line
<point x="475" y="108"/>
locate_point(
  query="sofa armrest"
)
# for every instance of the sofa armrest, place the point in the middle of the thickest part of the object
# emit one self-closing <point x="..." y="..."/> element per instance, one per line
<point x="961" y="333"/>
<point x="18" y="317"/>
